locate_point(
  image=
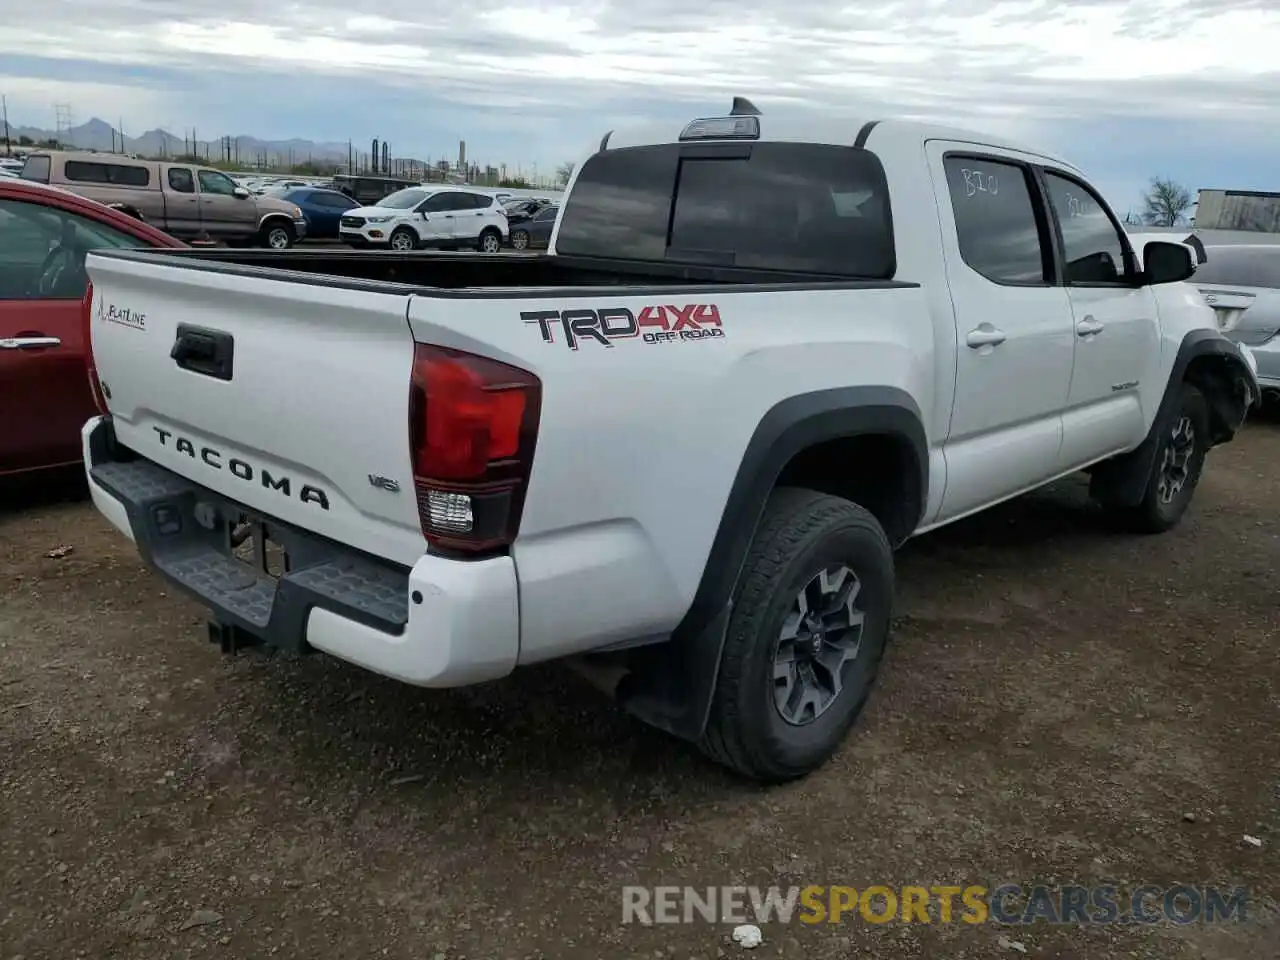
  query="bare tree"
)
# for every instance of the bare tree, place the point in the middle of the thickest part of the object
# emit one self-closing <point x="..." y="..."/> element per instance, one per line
<point x="1165" y="202"/>
<point x="563" y="173"/>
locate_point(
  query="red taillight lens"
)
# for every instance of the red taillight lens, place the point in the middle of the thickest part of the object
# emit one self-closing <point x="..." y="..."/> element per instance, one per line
<point x="472" y="427"/>
<point x="86" y="331"/>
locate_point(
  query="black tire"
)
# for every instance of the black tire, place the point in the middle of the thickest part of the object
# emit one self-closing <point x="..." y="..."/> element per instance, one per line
<point x="491" y="239"/>
<point x="801" y="534"/>
<point x="277" y="235"/>
<point x="404" y="235"/>
<point x="520" y="239"/>
<point x="1160" y="510"/>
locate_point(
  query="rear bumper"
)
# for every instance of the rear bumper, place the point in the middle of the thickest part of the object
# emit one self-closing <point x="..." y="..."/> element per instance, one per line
<point x="441" y="623"/>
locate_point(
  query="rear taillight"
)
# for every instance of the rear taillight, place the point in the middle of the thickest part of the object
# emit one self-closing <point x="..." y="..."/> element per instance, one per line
<point x="86" y="332"/>
<point x="473" y="423"/>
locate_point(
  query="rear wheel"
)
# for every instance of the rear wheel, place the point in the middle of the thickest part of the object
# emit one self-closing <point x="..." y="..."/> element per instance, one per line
<point x="809" y="626"/>
<point x="520" y="239"/>
<point x="277" y="235"/>
<point x="490" y="241"/>
<point x="403" y="239"/>
<point x="1182" y="442"/>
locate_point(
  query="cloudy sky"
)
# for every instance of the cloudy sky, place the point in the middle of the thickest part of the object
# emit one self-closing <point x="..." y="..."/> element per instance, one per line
<point x="1182" y="88"/>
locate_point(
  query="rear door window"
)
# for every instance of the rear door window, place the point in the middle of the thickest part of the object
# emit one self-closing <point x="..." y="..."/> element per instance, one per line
<point x="181" y="181"/>
<point x="783" y="206"/>
<point x="997" y="228"/>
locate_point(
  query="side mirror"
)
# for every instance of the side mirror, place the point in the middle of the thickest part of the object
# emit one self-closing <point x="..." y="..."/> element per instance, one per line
<point x="241" y="193"/>
<point x="1167" y="262"/>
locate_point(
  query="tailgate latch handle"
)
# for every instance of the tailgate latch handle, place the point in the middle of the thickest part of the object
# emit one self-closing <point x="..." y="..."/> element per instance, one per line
<point x="204" y="351"/>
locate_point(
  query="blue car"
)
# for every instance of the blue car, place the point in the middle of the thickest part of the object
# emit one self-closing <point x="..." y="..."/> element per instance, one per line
<point x="322" y="210"/>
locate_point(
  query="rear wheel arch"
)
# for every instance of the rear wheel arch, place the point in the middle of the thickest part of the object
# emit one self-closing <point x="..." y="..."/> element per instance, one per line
<point x="804" y="442"/>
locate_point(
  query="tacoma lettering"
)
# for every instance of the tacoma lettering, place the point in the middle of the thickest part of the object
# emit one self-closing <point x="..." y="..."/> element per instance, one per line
<point x="242" y="469"/>
<point x="665" y="323"/>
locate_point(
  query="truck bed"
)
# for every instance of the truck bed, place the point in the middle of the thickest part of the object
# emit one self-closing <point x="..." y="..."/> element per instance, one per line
<point x="473" y="274"/>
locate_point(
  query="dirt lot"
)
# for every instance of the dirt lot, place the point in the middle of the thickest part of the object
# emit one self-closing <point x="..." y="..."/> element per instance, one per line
<point x="1057" y="701"/>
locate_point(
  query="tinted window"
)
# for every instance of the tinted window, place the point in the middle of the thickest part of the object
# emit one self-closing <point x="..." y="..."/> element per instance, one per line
<point x="404" y="199"/>
<point x="444" y="202"/>
<point x="456" y="201"/>
<point x="216" y="183"/>
<point x="1241" y="266"/>
<point x="481" y="202"/>
<point x="996" y="223"/>
<point x="335" y="200"/>
<point x="36" y="168"/>
<point x="1091" y="243"/>
<point x="30" y="232"/>
<point x="181" y="181"/>
<point x="115" y="174"/>
<point x="788" y="206"/>
<point x="548" y="214"/>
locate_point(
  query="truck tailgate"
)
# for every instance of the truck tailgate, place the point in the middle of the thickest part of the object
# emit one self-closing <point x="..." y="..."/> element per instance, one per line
<point x="290" y="398"/>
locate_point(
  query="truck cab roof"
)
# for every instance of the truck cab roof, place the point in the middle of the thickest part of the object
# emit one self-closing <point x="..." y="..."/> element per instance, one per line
<point x="788" y="125"/>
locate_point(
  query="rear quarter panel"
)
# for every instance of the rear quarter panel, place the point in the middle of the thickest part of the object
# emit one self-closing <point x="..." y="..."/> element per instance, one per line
<point x="639" y="442"/>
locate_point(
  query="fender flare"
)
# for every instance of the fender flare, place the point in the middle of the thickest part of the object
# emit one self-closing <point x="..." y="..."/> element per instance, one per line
<point x="270" y="215"/>
<point x="1123" y="480"/>
<point x="671" y="684"/>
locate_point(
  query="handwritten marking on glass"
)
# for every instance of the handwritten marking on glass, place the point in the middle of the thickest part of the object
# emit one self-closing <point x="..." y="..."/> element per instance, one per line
<point x="1078" y="206"/>
<point x="975" y="182"/>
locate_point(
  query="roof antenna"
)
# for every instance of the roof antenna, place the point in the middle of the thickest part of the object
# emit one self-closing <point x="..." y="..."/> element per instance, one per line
<point x="742" y="107"/>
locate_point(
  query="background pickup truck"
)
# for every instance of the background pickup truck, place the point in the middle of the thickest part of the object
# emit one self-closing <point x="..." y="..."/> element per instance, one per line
<point x="679" y="449"/>
<point x="188" y="202"/>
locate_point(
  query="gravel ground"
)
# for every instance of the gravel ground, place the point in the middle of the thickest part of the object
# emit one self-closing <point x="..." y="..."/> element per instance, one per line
<point x="1060" y="705"/>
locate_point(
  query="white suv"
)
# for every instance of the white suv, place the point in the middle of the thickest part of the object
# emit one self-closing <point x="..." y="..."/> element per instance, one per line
<point x="419" y="217"/>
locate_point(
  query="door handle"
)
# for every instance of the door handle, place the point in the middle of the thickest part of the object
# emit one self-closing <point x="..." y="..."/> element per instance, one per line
<point x="29" y="343"/>
<point x="1088" y="326"/>
<point x="985" y="336"/>
<point x="448" y="216"/>
<point x="203" y="351"/>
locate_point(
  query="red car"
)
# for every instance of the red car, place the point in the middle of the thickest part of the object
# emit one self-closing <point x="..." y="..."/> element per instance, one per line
<point x="44" y="385"/>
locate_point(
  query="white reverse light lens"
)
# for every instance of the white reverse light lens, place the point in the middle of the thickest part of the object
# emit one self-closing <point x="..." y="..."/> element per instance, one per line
<point x="449" y="511"/>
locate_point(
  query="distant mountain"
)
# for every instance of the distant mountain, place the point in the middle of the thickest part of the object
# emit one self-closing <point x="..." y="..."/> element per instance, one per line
<point x="99" y="135"/>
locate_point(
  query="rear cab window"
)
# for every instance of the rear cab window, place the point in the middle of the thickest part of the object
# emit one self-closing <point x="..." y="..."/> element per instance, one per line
<point x="800" y="207"/>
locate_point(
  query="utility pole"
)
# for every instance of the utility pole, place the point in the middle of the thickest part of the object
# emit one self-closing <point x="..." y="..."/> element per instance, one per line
<point x="62" y="115"/>
<point x="4" y="107"/>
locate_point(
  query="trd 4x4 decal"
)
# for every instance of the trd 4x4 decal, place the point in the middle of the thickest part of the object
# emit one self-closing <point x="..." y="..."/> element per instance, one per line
<point x="656" y="324"/>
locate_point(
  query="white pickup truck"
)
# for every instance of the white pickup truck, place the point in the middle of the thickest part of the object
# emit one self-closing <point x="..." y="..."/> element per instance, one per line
<point x="680" y="448"/>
